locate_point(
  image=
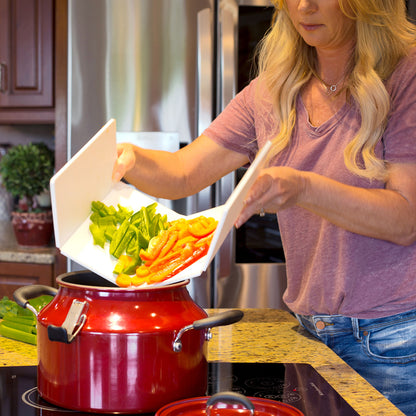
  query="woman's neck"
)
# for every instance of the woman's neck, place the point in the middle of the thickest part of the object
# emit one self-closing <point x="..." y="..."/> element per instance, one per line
<point x="334" y="65"/>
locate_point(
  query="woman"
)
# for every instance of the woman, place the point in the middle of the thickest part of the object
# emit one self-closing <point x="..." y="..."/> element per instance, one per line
<point x="336" y="93"/>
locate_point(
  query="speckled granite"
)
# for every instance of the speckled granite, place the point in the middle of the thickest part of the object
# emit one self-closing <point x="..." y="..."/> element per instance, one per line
<point x="264" y="335"/>
<point x="13" y="353"/>
<point x="12" y="252"/>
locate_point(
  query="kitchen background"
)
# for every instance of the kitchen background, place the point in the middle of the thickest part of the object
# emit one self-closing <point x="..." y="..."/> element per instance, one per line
<point x="160" y="66"/>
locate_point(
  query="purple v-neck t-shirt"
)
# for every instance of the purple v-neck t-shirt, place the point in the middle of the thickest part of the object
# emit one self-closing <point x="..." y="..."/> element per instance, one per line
<point x="331" y="270"/>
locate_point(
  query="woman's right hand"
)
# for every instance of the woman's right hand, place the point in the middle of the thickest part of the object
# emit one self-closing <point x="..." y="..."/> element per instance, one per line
<point x="125" y="161"/>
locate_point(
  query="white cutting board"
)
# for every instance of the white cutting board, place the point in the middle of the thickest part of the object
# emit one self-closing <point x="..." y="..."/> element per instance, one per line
<point x="87" y="177"/>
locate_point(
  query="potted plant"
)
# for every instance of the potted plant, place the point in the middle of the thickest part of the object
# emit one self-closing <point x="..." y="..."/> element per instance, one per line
<point x="26" y="171"/>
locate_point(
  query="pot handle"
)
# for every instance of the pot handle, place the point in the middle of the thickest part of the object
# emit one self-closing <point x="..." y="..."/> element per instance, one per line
<point x="221" y="319"/>
<point x="229" y="397"/>
<point x="23" y="294"/>
<point x="72" y="324"/>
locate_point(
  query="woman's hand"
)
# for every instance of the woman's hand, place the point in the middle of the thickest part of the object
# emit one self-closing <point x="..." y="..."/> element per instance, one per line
<point x="275" y="189"/>
<point x="387" y="213"/>
<point x="125" y="161"/>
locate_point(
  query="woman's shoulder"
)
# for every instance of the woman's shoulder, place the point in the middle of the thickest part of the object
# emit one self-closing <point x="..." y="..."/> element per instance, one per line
<point x="404" y="76"/>
<point x="406" y="64"/>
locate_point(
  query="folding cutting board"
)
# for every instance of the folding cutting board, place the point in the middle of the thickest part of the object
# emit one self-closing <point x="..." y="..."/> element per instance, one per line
<point x="87" y="177"/>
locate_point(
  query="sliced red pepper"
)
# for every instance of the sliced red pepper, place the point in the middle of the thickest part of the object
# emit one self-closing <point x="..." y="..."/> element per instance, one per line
<point x="160" y="262"/>
<point x="172" y="239"/>
<point x="196" y="255"/>
<point x="180" y="264"/>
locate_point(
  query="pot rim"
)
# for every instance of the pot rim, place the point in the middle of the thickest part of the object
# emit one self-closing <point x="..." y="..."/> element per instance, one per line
<point x="111" y="286"/>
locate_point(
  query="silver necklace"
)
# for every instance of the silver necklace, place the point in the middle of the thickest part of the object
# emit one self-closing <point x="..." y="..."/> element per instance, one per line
<point x="330" y="88"/>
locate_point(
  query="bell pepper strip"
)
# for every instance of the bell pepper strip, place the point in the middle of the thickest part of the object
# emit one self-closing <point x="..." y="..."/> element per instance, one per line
<point x="155" y="246"/>
<point x="138" y="281"/>
<point x="179" y="265"/>
<point x="170" y="265"/>
<point x="145" y="244"/>
<point x="125" y="265"/>
<point x="123" y="280"/>
<point x="171" y="241"/>
<point x="198" y="253"/>
<point x="202" y="227"/>
<point x="122" y="238"/>
<point x="204" y="240"/>
<point x="118" y="238"/>
<point x="165" y="273"/>
<point x="180" y="244"/>
<point x="126" y="231"/>
<point x="160" y="262"/>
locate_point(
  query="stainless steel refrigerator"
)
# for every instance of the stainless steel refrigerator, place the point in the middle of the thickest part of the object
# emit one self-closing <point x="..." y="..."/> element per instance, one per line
<point x="163" y="69"/>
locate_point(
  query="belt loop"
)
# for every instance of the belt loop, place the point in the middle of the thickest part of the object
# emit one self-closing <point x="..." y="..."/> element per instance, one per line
<point x="355" y="328"/>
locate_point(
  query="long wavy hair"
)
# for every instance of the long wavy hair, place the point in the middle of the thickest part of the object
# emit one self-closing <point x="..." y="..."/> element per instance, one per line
<point x="384" y="35"/>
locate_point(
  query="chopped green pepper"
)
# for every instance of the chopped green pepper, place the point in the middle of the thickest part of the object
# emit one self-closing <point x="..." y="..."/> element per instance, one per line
<point x="98" y="234"/>
<point x="126" y="231"/>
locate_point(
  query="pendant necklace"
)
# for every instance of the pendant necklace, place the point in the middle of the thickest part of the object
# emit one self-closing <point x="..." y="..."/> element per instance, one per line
<point x="330" y="88"/>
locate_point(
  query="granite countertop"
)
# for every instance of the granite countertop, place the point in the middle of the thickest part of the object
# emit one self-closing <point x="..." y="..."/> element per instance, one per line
<point x="263" y="335"/>
<point x="10" y="251"/>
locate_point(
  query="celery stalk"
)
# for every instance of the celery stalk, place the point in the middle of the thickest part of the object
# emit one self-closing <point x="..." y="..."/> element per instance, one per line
<point x="17" y="335"/>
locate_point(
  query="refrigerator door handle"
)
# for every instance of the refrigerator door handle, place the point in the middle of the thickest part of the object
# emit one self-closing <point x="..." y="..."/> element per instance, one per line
<point x="205" y="69"/>
<point x="228" y="44"/>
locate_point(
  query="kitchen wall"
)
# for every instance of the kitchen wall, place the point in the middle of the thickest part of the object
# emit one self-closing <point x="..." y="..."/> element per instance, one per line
<point x="22" y="134"/>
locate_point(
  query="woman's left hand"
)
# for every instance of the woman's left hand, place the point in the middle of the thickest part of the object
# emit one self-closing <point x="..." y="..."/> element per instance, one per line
<point x="276" y="188"/>
<point x="387" y="213"/>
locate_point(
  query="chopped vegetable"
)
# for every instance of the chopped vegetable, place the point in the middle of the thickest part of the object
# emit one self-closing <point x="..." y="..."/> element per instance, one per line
<point x="8" y="306"/>
<point x="19" y="323"/>
<point x="13" y="333"/>
<point x="127" y="232"/>
<point x="149" y="249"/>
<point x="174" y="249"/>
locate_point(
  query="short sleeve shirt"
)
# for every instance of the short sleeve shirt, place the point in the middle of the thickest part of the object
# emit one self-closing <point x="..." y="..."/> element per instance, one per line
<point x="331" y="270"/>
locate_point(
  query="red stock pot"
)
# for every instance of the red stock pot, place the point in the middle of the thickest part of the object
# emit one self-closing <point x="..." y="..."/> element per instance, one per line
<point x="106" y="349"/>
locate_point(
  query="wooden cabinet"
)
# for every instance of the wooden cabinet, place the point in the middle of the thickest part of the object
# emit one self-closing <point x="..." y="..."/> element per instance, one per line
<point x="26" y="61"/>
<point x="14" y="275"/>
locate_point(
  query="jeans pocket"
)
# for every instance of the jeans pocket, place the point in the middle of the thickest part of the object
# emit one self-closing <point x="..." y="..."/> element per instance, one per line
<point x="392" y="343"/>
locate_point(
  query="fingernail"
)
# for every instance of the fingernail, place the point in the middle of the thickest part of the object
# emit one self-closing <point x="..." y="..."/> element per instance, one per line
<point x="117" y="175"/>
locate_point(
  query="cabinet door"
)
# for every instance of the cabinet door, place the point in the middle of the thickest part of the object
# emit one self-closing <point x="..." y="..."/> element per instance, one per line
<point x="26" y="60"/>
<point x="14" y="275"/>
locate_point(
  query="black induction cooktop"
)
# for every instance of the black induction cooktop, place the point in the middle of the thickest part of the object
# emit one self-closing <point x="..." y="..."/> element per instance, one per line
<point x="299" y="385"/>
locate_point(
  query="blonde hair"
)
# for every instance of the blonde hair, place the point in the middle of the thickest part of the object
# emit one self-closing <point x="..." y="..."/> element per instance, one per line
<point x="383" y="37"/>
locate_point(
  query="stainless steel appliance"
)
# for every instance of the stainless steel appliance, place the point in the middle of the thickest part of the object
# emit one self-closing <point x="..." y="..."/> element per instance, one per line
<point x="411" y="9"/>
<point x="250" y="267"/>
<point x="163" y="69"/>
<point x="148" y="64"/>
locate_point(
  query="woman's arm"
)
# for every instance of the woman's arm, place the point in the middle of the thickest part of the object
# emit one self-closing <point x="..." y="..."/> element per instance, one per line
<point x="175" y="175"/>
<point x="388" y="214"/>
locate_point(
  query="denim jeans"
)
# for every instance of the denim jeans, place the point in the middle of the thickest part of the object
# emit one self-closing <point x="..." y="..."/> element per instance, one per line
<point x="381" y="350"/>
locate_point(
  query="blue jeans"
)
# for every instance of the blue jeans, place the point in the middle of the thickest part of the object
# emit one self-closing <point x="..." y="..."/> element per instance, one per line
<point x="381" y="350"/>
